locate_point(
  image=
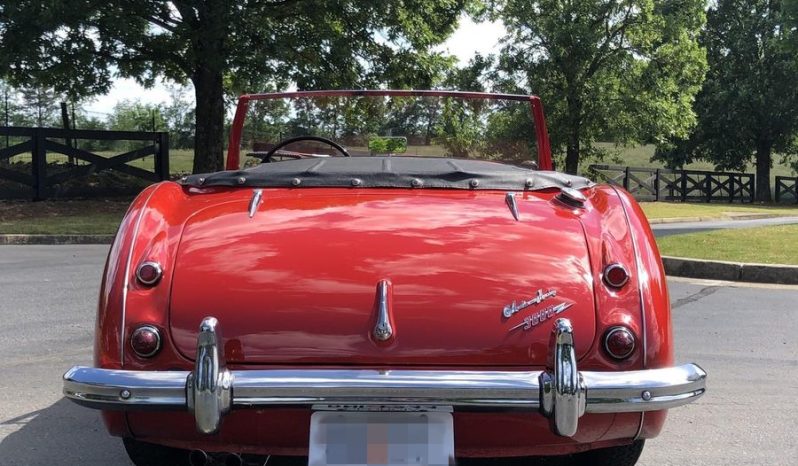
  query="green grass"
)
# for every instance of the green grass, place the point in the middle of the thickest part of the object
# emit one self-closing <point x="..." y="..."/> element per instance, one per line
<point x="765" y="245"/>
<point x="61" y="217"/>
<point x="657" y="210"/>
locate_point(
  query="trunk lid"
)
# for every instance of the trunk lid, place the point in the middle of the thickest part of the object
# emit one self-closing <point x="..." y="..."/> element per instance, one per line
<point x="297" y="282"/>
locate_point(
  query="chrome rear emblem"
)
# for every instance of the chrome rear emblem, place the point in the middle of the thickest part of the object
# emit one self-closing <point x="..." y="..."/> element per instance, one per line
<point x="540" y="296"/>
<point x="383" y="330"/>
<point x="542" y="316"/>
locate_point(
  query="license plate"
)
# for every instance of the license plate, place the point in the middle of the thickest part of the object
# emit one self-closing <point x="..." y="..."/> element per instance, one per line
<point x="381" y="438"/>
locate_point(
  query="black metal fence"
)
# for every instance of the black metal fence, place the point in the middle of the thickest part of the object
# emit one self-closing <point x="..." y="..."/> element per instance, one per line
<point x="39" y="142"/>
<point x="787" y="189"/>
<point x="659" y="184"/>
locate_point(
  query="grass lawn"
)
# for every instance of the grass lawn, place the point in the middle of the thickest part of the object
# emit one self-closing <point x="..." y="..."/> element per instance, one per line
<point x="766" y="245"/>
<point x="677" y="209"/>
<point x="62" y="217"/>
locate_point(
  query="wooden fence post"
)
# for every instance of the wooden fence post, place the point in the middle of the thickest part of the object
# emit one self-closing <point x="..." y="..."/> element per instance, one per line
<point x="626" y="179"/>
<point x="684" y="186"/>
<point x="162" y="156"/>
<point x="708" y="186"/>
<point x="656" y="185"/>
<point x="39" y="165"/>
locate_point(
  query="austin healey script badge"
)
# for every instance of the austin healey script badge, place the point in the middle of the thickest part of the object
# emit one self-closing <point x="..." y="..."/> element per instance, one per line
<point x="542" y="316"/>
<point x="540" y="296"/>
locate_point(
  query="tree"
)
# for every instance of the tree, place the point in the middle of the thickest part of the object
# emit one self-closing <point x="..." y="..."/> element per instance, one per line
<point x="136" y="116"/>
<point x="178" y="115"/>
<point x="748" y="107"/>
<point x="39" y="106"/>
<point x="223" y="46"/>
<point x="621" y="69"/>
<point x="751" y="47"/>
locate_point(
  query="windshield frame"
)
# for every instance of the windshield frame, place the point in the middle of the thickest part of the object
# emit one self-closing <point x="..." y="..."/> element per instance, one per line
<point x="544" y="149"/>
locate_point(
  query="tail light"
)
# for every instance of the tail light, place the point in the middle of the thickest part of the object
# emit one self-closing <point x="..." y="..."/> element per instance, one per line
<point x="619" y="342"/>
<point x="149" y="273"/>
<point x="616" y="275"/>
<point x="146" y="341"/>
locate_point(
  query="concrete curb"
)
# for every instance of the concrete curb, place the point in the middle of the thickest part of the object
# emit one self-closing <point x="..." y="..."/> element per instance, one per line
<point x="742" y="216"/>
<point x="731" y="271"/>
<point x="675" y="266"/>
<point x="55" y="239"/>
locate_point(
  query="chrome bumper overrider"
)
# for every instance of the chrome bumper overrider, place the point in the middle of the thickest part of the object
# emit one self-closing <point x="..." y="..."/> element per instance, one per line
<point x="563" y="393"/>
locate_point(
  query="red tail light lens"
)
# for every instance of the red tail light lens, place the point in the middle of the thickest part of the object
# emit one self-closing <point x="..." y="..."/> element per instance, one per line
<point x="619" y="342"/>
<point x="146" y="341"/>
<point x="616" y="275"/>
<point x="149" y="273"/>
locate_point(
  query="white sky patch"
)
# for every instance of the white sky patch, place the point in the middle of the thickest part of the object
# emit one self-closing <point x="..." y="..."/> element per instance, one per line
<point x="469" y="39"/>
<point x="127" y="89"/>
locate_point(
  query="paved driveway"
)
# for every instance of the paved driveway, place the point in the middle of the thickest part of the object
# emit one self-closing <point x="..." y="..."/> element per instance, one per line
<point x="745" y="337"/>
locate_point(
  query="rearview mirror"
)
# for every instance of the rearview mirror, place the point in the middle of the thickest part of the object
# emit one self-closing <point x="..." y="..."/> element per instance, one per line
<point x="387" y="145"/>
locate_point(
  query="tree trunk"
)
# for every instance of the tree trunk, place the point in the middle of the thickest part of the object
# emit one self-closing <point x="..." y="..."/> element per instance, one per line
<point x="763" y="161"/>
<point x="209" y="130"/>
<point x="209" y="66"/>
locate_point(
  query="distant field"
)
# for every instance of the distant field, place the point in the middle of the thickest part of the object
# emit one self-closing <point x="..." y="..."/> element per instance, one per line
<point x="180" y="160"/>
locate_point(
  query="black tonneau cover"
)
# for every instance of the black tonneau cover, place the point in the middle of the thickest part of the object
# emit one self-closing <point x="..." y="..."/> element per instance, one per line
<point x="389" y="172"/>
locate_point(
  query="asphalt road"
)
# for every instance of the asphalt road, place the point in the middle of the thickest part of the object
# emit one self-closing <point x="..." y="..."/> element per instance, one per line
<point x="666" y="229"/>
<point x="746" y="338"/>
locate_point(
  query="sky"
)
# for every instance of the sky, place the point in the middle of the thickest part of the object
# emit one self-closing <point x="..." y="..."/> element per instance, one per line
<point x="470" y="38"/>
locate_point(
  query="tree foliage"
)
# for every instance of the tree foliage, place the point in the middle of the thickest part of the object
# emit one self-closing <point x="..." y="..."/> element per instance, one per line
<point x="748" y="107"/>
<point x="76" y="46"/>
<point x="624" y="70"/>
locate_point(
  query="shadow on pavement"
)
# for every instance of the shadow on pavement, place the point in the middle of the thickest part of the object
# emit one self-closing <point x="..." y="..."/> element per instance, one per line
<point x="63" y="433"/>
<point x="67" y="434"/>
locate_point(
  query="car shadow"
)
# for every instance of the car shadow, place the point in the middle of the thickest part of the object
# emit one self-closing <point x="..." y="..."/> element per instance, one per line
<point x="63" y="433"/>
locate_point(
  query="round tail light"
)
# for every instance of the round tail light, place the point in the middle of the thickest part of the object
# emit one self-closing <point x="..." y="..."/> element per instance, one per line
<point x="616" y="275"/>
<point x="146" y="341"/>
<point x="149" y="273"/>
<point x="619" y="342"/>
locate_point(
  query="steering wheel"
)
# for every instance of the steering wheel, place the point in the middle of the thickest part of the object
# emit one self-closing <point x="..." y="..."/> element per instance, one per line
<point x="268" y="157"/>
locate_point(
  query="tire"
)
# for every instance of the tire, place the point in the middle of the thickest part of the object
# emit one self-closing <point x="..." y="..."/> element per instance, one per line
<point x="624" y="455"/>
<point x="151" y="454"/>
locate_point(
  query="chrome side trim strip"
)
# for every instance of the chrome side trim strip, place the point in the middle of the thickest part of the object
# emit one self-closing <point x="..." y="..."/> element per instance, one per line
<point x="127" y="277"/>
<point x="638" y="268"/>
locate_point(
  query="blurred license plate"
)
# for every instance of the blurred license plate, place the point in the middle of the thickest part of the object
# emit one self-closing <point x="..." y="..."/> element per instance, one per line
<point x="381" y="438"/>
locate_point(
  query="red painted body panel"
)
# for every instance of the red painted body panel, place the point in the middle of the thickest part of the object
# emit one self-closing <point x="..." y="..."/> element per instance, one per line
<point x="296" y="283"/>
<point x="301" y="275"/>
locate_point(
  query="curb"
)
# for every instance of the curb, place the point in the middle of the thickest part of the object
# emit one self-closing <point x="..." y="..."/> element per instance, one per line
<point x="725" y="217"/>
<point x="55" y="239"/>
<point x="674" y="266"/>
<point x="731" y="271"/>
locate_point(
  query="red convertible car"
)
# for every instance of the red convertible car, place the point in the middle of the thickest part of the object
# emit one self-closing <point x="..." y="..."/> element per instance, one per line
<point x="400" y="277"/>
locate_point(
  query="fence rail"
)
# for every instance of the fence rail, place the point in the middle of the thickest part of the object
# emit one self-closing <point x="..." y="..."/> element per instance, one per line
<point x="40" y="143"/>
<point x="660" y="184"/>
<point x="787" y="189"/>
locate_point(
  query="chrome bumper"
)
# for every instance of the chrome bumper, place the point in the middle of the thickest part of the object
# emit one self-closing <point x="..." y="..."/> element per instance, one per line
<point x="563" y="393"/>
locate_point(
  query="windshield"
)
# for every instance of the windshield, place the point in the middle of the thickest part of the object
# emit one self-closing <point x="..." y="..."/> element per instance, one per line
<point x="427" y="126"/>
